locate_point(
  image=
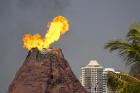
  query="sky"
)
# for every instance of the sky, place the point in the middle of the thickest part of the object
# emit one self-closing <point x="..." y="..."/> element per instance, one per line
<point x="92" y="24"/>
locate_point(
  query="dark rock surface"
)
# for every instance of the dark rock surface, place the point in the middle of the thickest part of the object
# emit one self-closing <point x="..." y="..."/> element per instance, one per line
<point x="45" y="72"/>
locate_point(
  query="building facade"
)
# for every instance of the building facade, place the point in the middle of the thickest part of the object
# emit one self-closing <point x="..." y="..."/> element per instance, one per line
<point x="106" y="88"/>
<point x="105" y="78"/>
<point x="92" y="77"/>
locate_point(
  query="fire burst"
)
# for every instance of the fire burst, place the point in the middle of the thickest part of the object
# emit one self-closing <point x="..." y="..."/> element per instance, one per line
<point x="58" y="27"/>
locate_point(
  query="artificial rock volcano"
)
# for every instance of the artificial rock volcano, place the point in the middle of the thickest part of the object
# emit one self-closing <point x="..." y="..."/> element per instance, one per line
<point x="45" y="71"/>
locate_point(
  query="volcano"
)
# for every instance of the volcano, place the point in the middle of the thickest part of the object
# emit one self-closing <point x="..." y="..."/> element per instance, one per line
<point x="45" y="71"/>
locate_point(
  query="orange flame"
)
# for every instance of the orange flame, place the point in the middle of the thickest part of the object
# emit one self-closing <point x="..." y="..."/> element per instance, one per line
<point x="58" y="27"/>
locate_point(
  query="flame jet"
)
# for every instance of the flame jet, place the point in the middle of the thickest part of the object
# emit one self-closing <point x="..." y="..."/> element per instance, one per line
<point x="58" y="27"/>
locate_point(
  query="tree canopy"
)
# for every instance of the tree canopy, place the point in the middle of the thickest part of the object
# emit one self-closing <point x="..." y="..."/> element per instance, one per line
<point x="128" y="49"/>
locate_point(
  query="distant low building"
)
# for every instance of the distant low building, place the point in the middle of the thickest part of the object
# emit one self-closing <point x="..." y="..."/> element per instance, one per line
<point x="105" y="87"/>
<point x="105" y="72"/>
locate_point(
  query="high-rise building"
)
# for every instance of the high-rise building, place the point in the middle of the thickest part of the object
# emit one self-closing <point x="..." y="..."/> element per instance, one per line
<point x="92" y="77"/>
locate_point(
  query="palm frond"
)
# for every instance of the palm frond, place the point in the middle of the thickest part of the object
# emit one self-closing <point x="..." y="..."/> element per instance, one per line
<point x="129" y="52"/>
<point x="117" y="45"/>
<point x="123" y="83"/>
<point x="129" y="49"/>
<point x="134" y="34"/>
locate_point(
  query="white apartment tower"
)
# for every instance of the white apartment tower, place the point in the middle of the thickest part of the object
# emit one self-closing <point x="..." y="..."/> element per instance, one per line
<point x="92" y="77"/>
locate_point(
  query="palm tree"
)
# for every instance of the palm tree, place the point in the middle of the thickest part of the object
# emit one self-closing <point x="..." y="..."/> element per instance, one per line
<point x="129" y="49"/>
<point x="123" y="83"/>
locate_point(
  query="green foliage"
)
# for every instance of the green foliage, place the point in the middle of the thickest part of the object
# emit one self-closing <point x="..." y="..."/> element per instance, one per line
<point x="123" y="83"/>
<point x="128" y="49"/>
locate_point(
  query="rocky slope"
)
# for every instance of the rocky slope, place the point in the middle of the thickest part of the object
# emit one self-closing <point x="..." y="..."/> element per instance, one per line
<point x="45" y="71"/>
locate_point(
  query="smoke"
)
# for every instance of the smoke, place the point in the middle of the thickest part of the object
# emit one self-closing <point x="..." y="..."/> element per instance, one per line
<point x="18" y="17"/>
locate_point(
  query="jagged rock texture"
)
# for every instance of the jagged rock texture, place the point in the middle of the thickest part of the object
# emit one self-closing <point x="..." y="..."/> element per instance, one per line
<point x="45" y="72"/>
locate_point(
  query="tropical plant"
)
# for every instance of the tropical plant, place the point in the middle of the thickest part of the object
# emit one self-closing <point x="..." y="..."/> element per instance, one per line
<point x="128" y="49"/>
<point x="123" y="83"/>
